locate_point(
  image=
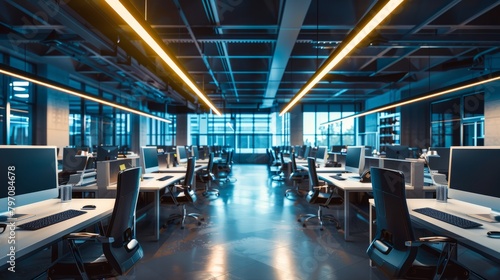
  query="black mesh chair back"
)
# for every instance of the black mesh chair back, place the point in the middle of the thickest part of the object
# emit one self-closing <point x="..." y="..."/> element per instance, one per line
<point x="313" y="175"/>
<point x="118" y="245"/>
<point x="125" y="251"/>
<point x="390" y="250"/>
<point x="189" y="179"/>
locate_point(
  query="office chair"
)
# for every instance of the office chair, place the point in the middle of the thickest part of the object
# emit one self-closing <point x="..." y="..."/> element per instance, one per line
<point x="297" y="177"/>
<point x="394" y="249"/>
<point x="112" y="253"/>
<point x="280" y="176"/>
<point x="224" y="169"/>
<point x="206" y="177"/>
<point x="185" y="195"/>
<point x="317" y="196"/>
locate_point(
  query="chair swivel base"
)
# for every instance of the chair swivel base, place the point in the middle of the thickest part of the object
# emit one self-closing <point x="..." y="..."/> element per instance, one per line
<point x="320" y="217"/>
<point x="279" y="177"/>
<point x="197" y="217"/>
<point x="209" y="192"/>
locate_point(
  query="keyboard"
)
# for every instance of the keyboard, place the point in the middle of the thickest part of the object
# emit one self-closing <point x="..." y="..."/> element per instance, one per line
<point x="52" y="219"/>
<point x="448" y="218"/>
<point x="164" y="178"/>
<point x="337" y="177"/>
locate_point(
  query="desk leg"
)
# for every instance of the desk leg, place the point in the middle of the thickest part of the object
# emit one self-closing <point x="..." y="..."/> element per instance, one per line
<point x="347" y="207"/>
<point x="157" y="214"/>
<point x="370" y="227"/>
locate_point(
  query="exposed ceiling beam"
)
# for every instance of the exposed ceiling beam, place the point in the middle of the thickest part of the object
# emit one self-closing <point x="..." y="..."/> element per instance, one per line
<point x="292" y="20"/>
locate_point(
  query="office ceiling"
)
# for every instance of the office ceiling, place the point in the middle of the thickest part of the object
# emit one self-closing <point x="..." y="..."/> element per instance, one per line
<point x="254" y="55"/>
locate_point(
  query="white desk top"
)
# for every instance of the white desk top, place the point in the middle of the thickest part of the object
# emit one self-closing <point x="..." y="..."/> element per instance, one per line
<point x="27" y="241"/>
<point x="322" y="168"/>
<point x="474" y="238"/>
<point x="150" y="182"/>
<point x="182" y="168"/>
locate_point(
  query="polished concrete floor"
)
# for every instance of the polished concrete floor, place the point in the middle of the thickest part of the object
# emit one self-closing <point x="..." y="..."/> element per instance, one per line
<point x="251" y="232"/>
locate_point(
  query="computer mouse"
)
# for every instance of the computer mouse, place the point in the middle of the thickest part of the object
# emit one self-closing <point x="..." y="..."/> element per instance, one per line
<point x="88" y="207"/>
<point x="493" y="234"/>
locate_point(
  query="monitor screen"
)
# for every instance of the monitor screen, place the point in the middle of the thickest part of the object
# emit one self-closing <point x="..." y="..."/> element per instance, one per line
<point x="181" y="154"/>
<point x="107" y="153"/>
<point x="473" y="175"/>
<point x="355" y="159"/>
<point x="439" y="163"/>
<point x="321" y="154"/>
<point x="307" y="152"/>
<point x="397" y="152"/>
<point x="73" y="162"/>
<point x="29" y="174"/>
<point x="195" y="152"/>
<point x="336" y="148"/>
<point x="149" y="159"/>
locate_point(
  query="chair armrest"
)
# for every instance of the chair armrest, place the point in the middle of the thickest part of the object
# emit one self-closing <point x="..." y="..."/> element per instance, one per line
<point x="430" y="239"/>
<point x="89" y="236"/>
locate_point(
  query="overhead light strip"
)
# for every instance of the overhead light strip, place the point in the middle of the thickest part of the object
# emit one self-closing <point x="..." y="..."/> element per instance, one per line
<point x="125" y="14"/>
<point x="61" y="88"/>
<point x="467" y="85"/>
<point x="343" y="50"/>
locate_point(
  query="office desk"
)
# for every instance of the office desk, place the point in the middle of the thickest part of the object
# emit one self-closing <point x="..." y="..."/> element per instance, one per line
<point x="182" y="168"/>
<point x="152" y="185"/>
<point x="27" y="241"/>
<point x="474" y="239"/>
<point x="353" y="185"/>
<point x="348" y="186"/>
<point x="323" y="169"/>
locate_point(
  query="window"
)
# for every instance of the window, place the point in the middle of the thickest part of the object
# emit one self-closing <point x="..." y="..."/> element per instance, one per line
<point x="161" y="133"/>
<point x="247" y="133"/>
<point x="458" y="121"/>
<point x="21" y="103"/>
<point x="339" y="133"/>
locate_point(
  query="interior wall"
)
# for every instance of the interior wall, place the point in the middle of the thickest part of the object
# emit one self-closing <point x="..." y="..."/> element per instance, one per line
<point x="52" y="111"/>
<point x="492" y="115"/>
<point x="296" y="126"/>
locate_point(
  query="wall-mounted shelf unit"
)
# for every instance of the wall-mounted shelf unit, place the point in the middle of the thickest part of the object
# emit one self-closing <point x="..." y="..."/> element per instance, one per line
<point x="389" y="128"/>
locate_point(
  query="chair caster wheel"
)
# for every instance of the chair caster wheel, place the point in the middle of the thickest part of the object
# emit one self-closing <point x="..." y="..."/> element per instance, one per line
<point x="202" y="219"/>
<point x="298" y="220"/>
<point x="321" y="229"/>
<point x="199" y="223"/>
<point x="182" y="227"/>
<point x="303" y="225"/>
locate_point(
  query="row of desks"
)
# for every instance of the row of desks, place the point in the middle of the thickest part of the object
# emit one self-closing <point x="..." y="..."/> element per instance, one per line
<point x="16" y="243"/>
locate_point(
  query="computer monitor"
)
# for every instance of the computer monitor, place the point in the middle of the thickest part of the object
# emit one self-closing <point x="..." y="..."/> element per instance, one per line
<point x="439" y="163"/>
<point x="149" y="159"/>
<point x="397" y="152"/>
<point x="307" y="152"/>
<point x="29" y="175"/>
<point x="195" y="152"/>
<point x="296" y="150"/>
<point x="336" y="148"/>
<point x="73" y="162"/>
<point x="107" y="153"/>
<point x="321" y="154"/>
<point x="181" y="154"/>
<point x="473" y="176"/>
<point x="355" y="159"/>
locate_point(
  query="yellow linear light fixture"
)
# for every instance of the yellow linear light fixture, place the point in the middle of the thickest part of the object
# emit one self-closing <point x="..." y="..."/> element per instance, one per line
<point x="465" y="85"/>
<point x="386" y="8"/>
<point x="127" y="16"/>
<point x="65" y="89"/>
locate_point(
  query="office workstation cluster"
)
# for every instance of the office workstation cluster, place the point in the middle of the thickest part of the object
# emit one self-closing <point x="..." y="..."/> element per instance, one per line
<point x="45" y="207"/>
<point x="362" y="112"/>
